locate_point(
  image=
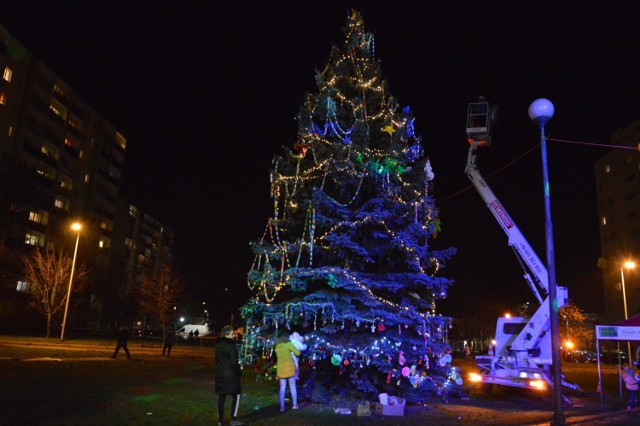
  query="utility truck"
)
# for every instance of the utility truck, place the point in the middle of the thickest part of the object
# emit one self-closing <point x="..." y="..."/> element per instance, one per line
<point x="522" y="353"/>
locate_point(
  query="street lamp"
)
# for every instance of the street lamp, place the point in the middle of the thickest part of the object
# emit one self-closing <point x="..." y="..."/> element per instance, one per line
<point x="541" y="110"/>
<point x="74" y="227"/>
<point x="629" y="265"/>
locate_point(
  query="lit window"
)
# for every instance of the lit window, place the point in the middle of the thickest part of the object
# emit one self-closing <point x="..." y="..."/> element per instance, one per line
<point x="101" y="244"/>
<point x="22" y="286"/>
<point x="3" y="98"/>
<point x="604" y="221"/>
<point x="31" y="239"/>
<point x="58" y="109"/>
<point x="86" y="178"/>
<point x="121" y="140"/>
<point x="35" y="217"/>
<point x="7" y="74"/>
<point x="61" y="203"/>
<point x="607" y="168"/>
<point x="67" y="142"/>
<point x="64" y="184"/>
<point x="10" y="131"/>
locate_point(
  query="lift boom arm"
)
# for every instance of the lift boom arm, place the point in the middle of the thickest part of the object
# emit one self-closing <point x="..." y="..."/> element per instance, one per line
<point x="535" y="274"/>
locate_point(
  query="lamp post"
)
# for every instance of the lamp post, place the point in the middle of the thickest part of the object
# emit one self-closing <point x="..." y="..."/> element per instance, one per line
<point x="541" y="110"/>
<point x="75" y="227"/>
<point x="629" y="265"/>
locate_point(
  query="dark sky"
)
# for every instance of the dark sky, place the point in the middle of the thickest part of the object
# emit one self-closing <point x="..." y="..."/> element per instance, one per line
<point x="207" y="91"/>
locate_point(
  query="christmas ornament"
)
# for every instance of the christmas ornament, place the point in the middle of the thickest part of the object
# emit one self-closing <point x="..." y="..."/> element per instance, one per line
<point x="336" y="359"/>
<point x="300" y="149"/>
<point x="444" y="360"/>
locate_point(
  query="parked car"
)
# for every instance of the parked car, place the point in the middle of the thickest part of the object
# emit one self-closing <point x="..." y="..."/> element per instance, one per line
<point x="582" y="356"/>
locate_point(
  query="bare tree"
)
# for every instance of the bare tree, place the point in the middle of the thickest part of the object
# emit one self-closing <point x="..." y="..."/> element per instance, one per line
<point x="47" y="273"/>
<point x="159" y="293"/>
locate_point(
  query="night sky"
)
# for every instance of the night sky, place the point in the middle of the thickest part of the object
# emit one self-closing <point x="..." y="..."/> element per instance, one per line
<point x="207" y="92"/>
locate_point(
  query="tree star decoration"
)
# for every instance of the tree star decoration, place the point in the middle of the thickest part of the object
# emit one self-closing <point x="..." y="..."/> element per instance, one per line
<point x="388" y="129"/>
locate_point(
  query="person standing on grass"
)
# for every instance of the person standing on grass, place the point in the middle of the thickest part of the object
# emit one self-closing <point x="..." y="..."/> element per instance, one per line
<point x="228" y="374"/>
<point x="286" y="369"/>
<point x="123" y="338"/>
<point x="169" y="340"/>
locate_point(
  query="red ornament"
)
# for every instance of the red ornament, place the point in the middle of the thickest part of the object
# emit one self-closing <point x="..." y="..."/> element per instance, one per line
<point x="300" y="149"/>
<point x="346" y="362"/>
<point x="381" y="327"/>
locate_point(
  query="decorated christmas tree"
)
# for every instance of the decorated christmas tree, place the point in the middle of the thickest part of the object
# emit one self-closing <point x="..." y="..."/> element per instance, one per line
<point x="347" y="259"/>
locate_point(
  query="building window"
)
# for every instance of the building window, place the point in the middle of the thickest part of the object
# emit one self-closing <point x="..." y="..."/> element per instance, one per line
<point x="22" y="286"/>
<point x="61" y="204"/>
<point x="31" y="239"/>
<point x="7" y="74"/>
<point x="607" y="168"/>
<point x="64" y="184"/>
<point x="10" y="131"/>
<point x="35" y="217"/>
<point x="3" y="98"/>
<point x="604" y="221"/>
<point x="58" y="109"/>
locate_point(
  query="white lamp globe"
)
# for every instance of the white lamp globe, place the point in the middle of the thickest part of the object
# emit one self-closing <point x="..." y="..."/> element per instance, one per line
<point x="541" y="110"/>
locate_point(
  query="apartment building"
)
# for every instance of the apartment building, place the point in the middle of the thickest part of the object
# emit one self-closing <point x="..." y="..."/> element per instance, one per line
<point x="618" y="187"/>
<point x="62" y="162"/>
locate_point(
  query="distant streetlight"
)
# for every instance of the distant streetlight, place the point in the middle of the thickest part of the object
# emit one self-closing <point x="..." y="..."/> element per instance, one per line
<point x="629" y="265"/>
<point x="74" y="227"/>
<point x="541" y="110"/>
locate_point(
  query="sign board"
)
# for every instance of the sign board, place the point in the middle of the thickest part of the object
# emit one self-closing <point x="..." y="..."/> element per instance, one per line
<point x="614" y="332"/>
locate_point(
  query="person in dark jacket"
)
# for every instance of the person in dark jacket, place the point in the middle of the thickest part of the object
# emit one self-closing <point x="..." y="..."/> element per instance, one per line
<point x="123" y="338"/>
<point x="228" y="374"/>
<point x="169" y="340"/>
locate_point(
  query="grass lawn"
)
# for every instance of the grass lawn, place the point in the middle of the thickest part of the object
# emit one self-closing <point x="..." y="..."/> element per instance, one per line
<point x="46" y="382"/>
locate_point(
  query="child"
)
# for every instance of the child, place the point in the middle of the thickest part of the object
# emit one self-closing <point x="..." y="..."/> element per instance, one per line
<point x="631" y="383"/>
<point x="298" y="342"/>
<point x="286" y="369"/>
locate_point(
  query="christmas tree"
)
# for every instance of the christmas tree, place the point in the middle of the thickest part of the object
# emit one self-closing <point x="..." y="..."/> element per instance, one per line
<point x="346" y="259"/>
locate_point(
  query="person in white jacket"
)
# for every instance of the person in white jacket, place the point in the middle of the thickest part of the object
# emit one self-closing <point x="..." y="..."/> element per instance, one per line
<point x="298" y="342"/>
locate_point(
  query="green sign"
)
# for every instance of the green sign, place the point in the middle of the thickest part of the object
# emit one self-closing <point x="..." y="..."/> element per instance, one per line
<point x="608" y="331"/>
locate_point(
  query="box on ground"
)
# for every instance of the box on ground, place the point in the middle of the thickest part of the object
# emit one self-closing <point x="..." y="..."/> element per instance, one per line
<point x="391" y="405"/>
